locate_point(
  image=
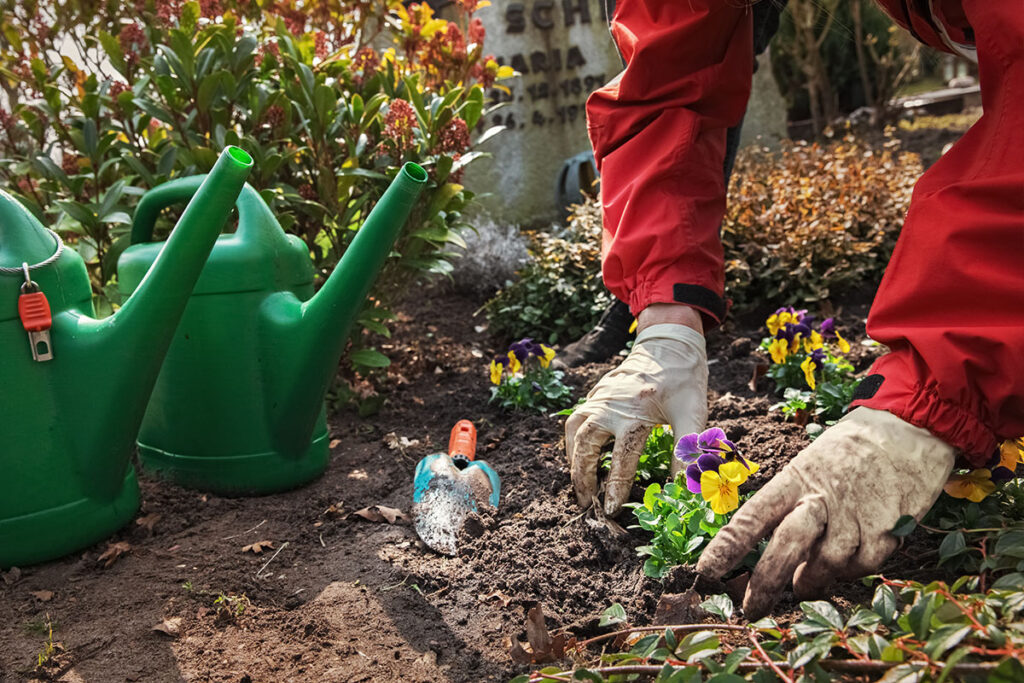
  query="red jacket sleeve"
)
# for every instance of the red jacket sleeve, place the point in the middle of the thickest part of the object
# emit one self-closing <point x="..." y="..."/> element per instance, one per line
<point x="658" y="132"/>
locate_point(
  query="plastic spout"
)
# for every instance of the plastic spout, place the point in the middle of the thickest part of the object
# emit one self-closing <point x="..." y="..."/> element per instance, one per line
<point x="316" y="331"/>
<point x="124" y="352"/>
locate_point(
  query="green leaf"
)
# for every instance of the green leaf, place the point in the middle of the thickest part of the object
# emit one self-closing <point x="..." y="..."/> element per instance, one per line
<point x="905" y="673"/>
<point x="884" y="603"/>
<point x="904" y="526"/>
<point x="822" y="612"/>
<point x="952" y="545"/>
<point x="370" y="358"/>
<point x="719" y="605"/>
<point x="1012" y="581"/>
<point x="945" y="638"/>
<point x="189" y="17"/>
<point x="616" y="614"/>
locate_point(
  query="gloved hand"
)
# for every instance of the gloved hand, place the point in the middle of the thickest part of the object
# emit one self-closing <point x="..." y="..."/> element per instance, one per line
<point x="663" y="380"/>
<point x="832" y="507"/>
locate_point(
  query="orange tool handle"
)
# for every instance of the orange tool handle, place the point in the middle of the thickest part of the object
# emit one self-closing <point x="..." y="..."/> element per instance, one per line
<point x="463" y="440"/>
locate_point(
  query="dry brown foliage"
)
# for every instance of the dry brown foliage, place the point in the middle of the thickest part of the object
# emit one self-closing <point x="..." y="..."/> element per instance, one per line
<point x="805" y="222"/>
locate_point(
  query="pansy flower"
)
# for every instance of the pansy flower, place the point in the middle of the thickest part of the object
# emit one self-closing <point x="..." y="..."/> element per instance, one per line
<point x="545" y="355"/>
<point x="497" y="368"/>
<point x="713" y="440"/>
<point x="514" y="365"/>
<point x="521" y="349"/>
<point x="974" y="486"/>
<point x="779" y="350"/>
<point x="706" y="462"/>
<point x="721" y="488"/>
<point x="1006" y="466"/>
<point x="828" y="331"/>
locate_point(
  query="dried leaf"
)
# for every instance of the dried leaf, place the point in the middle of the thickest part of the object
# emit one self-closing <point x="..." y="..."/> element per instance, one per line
<point x="505" y="600"/>
<point x="149" y="521"/>
<point x="382" y="513"/>
<point x="537" y="631"/>
<point x="333" y="444"/>
<point x="11" y="577"/>
<point x="399" y="443"/>
<point x="170" y="626"/>
<point x="759" y="371"/>
<point x="42" y="596"/>
<point x="113" y="553"/>
<point x="258" y="547"/>
<point x="518" y="654"/>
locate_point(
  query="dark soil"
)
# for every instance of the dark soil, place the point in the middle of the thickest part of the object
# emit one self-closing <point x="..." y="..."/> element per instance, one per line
<point x="339" y="598"/>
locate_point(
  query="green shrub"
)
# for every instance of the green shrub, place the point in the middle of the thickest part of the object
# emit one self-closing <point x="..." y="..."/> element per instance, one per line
<point x="559" y="295"/>
<point x="330" y="98"/>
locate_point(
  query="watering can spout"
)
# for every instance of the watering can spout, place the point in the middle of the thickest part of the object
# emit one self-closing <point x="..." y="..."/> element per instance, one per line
<point x="321" y="324"/>
<point x="130" y="345"/>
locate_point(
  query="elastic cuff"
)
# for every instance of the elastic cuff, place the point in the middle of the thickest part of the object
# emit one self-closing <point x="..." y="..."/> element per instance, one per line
<point x="921" y="406"/>
<point x="712" y="307"/>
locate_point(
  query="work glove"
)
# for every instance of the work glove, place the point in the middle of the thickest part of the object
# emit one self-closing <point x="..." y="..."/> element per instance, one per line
<point x="832" y="507"/>
<point x="664" y="380"/>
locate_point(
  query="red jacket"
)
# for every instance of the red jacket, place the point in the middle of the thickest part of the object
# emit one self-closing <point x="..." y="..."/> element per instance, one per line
<point x="951" y="305"/>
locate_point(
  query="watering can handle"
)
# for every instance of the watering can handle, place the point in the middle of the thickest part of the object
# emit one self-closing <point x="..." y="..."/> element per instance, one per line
<point x="180" y="191"/>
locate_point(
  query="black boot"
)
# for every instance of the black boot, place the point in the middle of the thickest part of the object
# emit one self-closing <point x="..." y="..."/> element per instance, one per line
<point x="607" y="338"/>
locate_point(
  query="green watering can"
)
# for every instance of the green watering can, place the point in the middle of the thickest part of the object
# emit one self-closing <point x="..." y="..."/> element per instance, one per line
<point x="239" y="405"/>
<point x="68" y="421"/>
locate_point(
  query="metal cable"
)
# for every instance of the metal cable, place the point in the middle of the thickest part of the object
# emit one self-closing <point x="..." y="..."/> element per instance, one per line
<point x="20" y="270"/>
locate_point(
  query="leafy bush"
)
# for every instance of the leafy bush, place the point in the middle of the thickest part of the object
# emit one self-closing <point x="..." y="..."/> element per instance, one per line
<point x="805" y="223"/>
<point x="523" y="378"/>
<point x="330" y="98"/>
<point x="559" y="295"/>
<point x="802" y="225"/>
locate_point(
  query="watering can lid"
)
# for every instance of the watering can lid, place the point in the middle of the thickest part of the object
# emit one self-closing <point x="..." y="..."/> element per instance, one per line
<point x="23" y="240"/>
<point x="233" y="266"/>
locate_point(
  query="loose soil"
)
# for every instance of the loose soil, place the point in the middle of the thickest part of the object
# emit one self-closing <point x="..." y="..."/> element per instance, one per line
<point x="341" y="598"/>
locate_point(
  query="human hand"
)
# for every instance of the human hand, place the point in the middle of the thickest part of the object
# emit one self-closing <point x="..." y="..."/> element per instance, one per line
<point x="663" y="380"/>
<point x="832" y="507"/>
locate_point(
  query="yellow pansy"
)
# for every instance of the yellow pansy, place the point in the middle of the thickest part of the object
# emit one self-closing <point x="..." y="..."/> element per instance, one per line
<point x="549" y="353"/>
<point x="815" y="342"/>
<point x="496" y="370"/>
<point x="514" y="365"/>
<point x="808" y="367"/>
<point x="721" y="488"/>
<point x="779" y="349"/>
<point x="973" y="486"/>
<point x="844" y="345"/>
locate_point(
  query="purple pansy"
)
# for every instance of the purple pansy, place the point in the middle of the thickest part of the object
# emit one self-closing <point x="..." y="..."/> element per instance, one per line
<point x="708" y="462"/>
<point x="818" y="358"/>
<point x="828" y="327"/>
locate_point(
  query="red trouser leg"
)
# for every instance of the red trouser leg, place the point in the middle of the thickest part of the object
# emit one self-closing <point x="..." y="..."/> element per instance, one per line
<point x="951" y="305"/>
<point x="658" y="132"/>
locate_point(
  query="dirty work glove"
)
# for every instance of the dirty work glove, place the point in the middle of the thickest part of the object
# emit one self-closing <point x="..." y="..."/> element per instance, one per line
<point x="832" y="507"/>
<point x="664" y="380"/>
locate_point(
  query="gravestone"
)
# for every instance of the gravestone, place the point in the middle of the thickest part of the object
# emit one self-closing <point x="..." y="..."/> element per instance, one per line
<point x="563" y="51"/>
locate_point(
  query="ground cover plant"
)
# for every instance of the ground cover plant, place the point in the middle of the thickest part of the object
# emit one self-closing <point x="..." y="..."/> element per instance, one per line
<point x="559" y="294"/>
<point x="808" y="366"/>
<point x="104" y="101"/>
